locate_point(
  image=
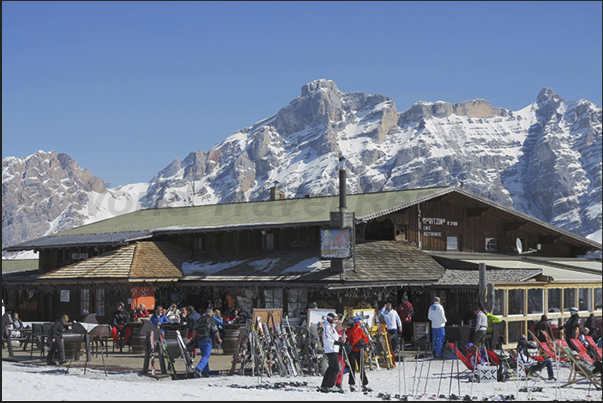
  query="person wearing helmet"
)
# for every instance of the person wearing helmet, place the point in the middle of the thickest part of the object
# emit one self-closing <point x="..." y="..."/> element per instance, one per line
<point x="571" y="327"/>
<point x="330" y="339"/>
<point x="357" y="339"/>
<point x="121" y="328"/>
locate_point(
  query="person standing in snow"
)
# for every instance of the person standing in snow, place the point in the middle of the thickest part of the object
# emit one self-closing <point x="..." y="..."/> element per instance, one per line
<point x="394" y="324"/>
<point x="405" y="312"/>
<point x="541" y="326"/>
<point x="437" y="316"/>
<point x="357" y="339"/>
<point x="206" y="330"/>
<point x="572" y="327"/>
<point x="330" y="339"/>
<point x="481" y="327"/>
<point x="55" y="337"/>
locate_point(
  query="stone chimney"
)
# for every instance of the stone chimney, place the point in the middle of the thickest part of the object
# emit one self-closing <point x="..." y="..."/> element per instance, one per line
<point x="275" y="192"/>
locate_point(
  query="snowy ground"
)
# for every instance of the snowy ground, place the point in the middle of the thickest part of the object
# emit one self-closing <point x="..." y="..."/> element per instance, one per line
<point x="34" y="382"/>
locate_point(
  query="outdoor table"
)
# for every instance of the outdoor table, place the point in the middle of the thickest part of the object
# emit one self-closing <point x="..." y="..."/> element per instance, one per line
<point x="90" y="331"/>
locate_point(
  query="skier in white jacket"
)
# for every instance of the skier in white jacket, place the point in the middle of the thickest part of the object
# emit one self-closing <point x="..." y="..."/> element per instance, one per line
<point x="331" y="342"/>
<point x="437" y="316"/>
<point x="394" y="324"/>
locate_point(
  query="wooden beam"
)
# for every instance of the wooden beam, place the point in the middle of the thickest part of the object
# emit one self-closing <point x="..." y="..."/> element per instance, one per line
<point x="477" y="211"/>
<point x="515" y="226"/>
<point x="549" y="238"/>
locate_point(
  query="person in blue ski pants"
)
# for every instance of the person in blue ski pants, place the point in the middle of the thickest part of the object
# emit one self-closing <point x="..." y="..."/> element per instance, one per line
<point x="205" y="344"/>
<point x="438" y="320"/>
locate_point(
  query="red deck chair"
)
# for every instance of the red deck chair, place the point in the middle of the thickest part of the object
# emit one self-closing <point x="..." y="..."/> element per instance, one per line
<point x="493" y="358"/>
<point x="462" y="357"/>
<point x="559" y="342"/>
<point x="593" y="345"/>
<point x="582" y="350"/>
<point x="545" y="348"/>
<point x="565" y="348"/>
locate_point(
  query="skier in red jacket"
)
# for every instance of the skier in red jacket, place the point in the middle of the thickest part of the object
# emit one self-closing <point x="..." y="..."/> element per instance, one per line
<point x="357" y="339"/>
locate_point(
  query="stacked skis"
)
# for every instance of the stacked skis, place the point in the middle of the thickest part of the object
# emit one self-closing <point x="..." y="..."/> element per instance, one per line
<point x="281" y="349"/>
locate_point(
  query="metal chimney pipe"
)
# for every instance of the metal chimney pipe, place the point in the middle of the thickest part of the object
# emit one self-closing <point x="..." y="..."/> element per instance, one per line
<point x="342" y="184"/>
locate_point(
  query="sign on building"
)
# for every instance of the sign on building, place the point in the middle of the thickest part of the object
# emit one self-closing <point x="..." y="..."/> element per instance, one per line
<point x="335" y="243"/>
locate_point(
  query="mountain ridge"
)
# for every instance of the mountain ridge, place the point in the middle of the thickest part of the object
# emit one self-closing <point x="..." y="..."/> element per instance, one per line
<point x="543" y="160"/>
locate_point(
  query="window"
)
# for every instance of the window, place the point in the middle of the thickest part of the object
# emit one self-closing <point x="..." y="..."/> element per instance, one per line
<point x="584" y="299"/>
<point x="99" y="301"/>
<point x="499" y="302"/>
<point x="452" y="243"/>
<point x="598" y="301"/>
<point x="515" y="331"/>
<point x="27" y="299"/>
<point x="491" y="244"/>
<point x="516" y="302"/>
<point x="273" y="298"/>
<point x="297" y="301"/>
<point x="535" y="301"/>
<point x="268" y="241"/>
<point x="85" y="301"/>
<point x="554" y="297"/>
<point x="569" y="299"/>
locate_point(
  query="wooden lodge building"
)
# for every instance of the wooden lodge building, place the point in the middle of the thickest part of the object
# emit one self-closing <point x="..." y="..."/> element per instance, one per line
<point x="286" y="253"/>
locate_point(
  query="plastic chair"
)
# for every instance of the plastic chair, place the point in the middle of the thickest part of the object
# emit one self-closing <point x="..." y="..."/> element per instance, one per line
<point x="39" y="337"/>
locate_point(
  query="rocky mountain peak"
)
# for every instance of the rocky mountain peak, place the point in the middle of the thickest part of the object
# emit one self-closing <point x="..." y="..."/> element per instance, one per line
<point x="44" y="188"/>
<point x="548" y="102"/>
<point x="319" y="104"/>
<point x="317" y="85"/>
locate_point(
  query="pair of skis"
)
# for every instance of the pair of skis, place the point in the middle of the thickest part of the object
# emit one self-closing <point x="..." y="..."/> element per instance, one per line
<point x="272" y="345"/>
<point x="372" y="347"/>
<point x="188" y="361"/>
<point x="290" y="353"/>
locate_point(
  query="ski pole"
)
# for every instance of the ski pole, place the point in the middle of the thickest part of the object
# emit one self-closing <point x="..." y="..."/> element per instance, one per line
<point x="441" y="376"/>
<point x="414" y="378"/>
<point x="404" y="369"/>
<point x="416" y="392"/>
<point x="398" y="354"/>
<point x="427" y="377"/>
<point x="557" y="357"/>
<point x="458" y="374"/>
<point x="352" y="369"/>
<point x="451" y="369"/>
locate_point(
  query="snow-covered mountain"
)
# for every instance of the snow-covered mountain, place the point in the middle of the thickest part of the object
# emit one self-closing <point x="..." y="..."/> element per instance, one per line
<point x="543" y="160"/>
<point x="48" y="192"/>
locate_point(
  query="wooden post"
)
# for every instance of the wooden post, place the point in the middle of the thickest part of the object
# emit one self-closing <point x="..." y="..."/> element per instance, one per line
<point x="147" y="354"/>
<point x="9" y="343"/>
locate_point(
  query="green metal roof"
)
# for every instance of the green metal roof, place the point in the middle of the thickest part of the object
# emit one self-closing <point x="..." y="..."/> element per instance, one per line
<point x="279" y="212"/>
<point x="10" y="265"/>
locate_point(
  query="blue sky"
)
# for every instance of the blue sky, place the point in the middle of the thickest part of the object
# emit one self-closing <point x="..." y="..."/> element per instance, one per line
<point x="124" y="88"/>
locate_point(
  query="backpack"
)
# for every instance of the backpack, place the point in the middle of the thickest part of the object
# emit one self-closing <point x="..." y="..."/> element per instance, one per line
<point x="203" y="326"/>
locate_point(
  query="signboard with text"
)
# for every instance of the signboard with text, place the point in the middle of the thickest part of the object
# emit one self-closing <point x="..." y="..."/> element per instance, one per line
<point x="335" y="243"/>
